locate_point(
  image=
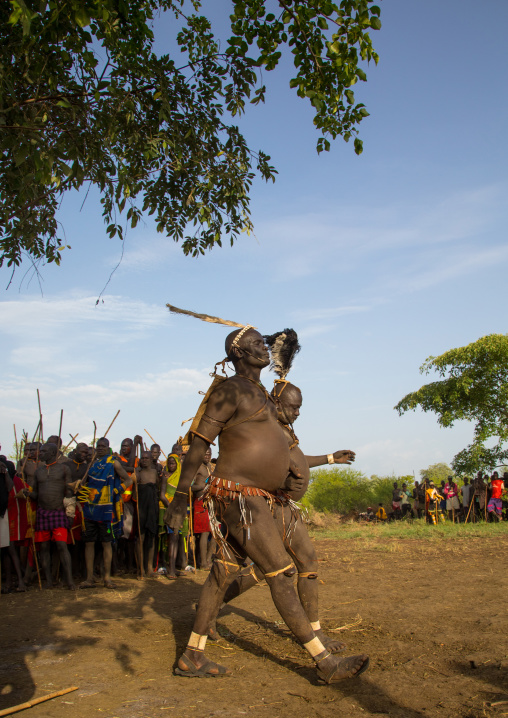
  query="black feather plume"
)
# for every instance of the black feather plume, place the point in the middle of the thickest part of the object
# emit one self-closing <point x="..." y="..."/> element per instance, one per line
<point x="284" y="346"/>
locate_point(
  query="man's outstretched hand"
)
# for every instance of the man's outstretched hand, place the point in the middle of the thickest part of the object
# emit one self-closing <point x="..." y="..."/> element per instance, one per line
<point x="346" y="456"/>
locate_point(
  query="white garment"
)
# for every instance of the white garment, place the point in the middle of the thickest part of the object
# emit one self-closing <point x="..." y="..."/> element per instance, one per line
<point x="4" y="531"/>
<point x="466" y="494"/>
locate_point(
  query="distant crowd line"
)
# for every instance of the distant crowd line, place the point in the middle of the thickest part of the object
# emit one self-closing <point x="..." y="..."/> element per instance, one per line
<point x="484" y="498"/>
<point x="96" y="512"/>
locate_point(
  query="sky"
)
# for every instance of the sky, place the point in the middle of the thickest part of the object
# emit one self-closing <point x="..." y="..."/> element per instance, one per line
<point x="376" y="261"/>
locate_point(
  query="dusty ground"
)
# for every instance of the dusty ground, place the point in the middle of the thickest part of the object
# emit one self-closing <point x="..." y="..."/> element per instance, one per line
<point x="431" y="615"/>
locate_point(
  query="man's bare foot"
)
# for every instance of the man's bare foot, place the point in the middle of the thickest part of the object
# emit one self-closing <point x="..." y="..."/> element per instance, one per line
<point x="109" y="584"/>
<point x="71" y="586"/>
<point x="87" y="584"/>
<point x="195" y="664"/>
<point x="332" y="669"/>
<point x="332" y="644"/>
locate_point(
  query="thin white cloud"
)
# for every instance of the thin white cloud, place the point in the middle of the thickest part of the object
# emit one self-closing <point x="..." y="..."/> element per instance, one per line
<point x="440" y="268"/>
<point x="39" y="316"/>
<point x="338" y="240"/>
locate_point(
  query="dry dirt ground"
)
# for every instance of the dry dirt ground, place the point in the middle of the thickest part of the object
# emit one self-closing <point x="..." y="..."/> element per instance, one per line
<point x="432" y="616"/>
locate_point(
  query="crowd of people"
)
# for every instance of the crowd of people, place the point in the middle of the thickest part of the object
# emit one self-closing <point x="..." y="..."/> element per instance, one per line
<point x="95" y="513"/>
<point x="484" y="498"/>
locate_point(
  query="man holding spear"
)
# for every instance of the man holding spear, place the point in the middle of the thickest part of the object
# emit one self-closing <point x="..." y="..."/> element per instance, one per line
<point x="103" y="509"/>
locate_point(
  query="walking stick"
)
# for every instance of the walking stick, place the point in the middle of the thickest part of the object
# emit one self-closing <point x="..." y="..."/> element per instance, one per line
<point x="192" y="540"/>
<point x="73" y="439"/>
<point x="28" y="519"/>
<point x="470" y="507"/>
<point x="41" y="432"/>
<point x="109" y="427"/>
<point x="16" y="442"/>
<point x="151" y="437"/>
<point x="35" y="701"/>
<point x="141" y="567"/>
<point x="60" y="429"/>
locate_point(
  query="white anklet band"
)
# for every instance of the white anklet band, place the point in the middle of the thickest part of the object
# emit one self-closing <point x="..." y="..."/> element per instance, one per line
<point x="314" y="647"/>
<point x="316" y="626"/>
<point x="194" y="639"/>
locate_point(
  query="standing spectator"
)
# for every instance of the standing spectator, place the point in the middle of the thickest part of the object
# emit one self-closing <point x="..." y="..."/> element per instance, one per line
<point x="102" y="510"/>
<point x="467" y="493"/>
<point x="442" y="505"/>
<point x="479" y="494"/>
<point x="405" y="502"/>
<point x="434" y="499"/>
<point x="495" y="505"/>
<point x="505" y="499"/>
<point x="51" y="484"/>
<point x="396" y="501"/>
<point x="451" y="492"/>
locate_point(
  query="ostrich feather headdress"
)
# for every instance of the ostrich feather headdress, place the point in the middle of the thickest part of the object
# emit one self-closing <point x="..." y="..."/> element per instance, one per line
<point x="284" y="346"/>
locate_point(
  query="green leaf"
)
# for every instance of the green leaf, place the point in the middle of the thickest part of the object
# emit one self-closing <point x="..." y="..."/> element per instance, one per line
<point x="375" y="23"/>
<point x="358" y="146"/>
<point x="81" y="17"/>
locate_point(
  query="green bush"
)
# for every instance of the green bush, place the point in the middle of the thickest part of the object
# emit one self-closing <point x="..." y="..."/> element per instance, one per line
<point x="341" y="490"/>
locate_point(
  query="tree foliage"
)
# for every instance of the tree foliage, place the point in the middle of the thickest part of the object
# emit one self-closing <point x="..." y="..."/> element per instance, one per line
<point x="473" y="387"/>
<point x="84" y="98"/>
<point x="341" y="490"/>
<point x="437" y="472"/>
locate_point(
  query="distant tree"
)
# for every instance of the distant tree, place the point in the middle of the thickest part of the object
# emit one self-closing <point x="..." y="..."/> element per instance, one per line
<point x="382" y="487"/>
<point x="437" y="472"/>
<point x="474" y="387"/>
<point x="85" y="100"/>
<point x="339" y="490"/>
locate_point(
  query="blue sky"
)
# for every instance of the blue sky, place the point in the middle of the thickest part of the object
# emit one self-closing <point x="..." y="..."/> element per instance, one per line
<point x="377" y="261"/>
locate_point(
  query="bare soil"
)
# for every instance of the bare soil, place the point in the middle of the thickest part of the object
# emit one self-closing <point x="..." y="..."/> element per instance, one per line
<point x="431" y="615"/>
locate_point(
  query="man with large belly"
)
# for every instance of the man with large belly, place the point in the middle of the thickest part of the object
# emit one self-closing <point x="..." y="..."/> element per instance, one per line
<point x="288" y="399"/>
<point x="254" y="461"/>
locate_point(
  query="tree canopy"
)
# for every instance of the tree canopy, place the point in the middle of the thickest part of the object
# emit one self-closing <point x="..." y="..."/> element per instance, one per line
<point x="473" y="387"/>
<point x="436" y="472"/>
<point x="345" y="489"/>
<point x="85" y="99"/>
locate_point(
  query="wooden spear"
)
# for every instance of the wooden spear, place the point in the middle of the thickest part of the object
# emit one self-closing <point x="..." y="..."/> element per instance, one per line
<point x="192" y="540"/>
<point x="141" y="567"/>
<point x="151" y="437"/>
<point x="32" y="527"/>
<point x="60" y="429"/>
<point x="41" y="432"/>
<point x="16" y="442"/>
<point x="35" y="701"/>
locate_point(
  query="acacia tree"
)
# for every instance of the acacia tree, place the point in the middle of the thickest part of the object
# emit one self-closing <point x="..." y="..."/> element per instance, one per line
<point x="474" y="387"/>
<point x="85" y="99"/>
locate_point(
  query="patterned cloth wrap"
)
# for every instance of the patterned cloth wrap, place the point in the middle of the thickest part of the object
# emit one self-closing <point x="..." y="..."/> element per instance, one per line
<point x="104" y="495"/>
<point x="47" y="520"/>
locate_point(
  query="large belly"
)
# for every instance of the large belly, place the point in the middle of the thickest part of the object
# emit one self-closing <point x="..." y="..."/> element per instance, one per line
<point x="254" y="454"/>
